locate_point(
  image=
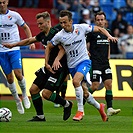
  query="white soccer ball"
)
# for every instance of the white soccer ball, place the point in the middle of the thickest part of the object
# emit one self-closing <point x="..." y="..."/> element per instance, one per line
<point x="5" y="114"/>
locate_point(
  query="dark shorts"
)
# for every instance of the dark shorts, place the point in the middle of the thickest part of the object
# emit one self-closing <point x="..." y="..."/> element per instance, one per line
<point x="47" y="80"/>
<point x="103" y="71"/>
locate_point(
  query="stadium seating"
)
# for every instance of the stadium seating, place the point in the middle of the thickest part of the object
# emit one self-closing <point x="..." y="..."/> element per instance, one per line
<point x="117" y="4"/>
<point x="129" y="17"/>
<point x="75" y="17"/>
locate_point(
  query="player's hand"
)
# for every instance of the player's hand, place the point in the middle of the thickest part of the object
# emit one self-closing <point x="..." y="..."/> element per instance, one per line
<point x="7" y="45"/>
<point x="32" y="46"/>
<point x="89" y="54"/>
<point x="49" y="68"/>
<point x="113" y="39"/>
<point x="56" y="65"/>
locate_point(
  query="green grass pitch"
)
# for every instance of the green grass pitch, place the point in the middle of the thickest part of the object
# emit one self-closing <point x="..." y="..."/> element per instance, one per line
<point x="91" y="123"/>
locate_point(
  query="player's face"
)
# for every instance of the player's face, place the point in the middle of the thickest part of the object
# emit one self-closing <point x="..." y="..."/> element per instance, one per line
<point x="100" y="20"/>
<point x="3" y="6"/>
<point x="43" y="24"/>
<point x="65" y="23"/>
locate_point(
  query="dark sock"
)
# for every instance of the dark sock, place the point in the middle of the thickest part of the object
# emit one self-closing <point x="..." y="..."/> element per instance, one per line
<point x="63" y="89"/>
<point x="57" y="99"/>
<point x="38" y="104"/>
<point x="109" y="98"/>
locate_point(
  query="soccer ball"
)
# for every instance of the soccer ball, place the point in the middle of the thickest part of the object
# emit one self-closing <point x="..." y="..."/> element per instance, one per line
<point x="5" y="114"/>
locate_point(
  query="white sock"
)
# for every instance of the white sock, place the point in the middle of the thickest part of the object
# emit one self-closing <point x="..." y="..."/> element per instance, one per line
<point x="41" y="116"/>
<point x="79" y="98"/>
<point x="67" y="104"/>
<point x="13" y="90"/>
<point x="22" y="85"/>
<point x="92" y="101"/>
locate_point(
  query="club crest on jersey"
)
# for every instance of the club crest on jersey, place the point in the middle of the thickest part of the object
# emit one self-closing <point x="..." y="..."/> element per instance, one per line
<point x="10" y="17"/>
<point x="77" y="32"/>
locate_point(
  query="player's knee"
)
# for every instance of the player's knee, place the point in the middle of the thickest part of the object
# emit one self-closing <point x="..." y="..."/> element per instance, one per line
<point x="46" y="94"/>
<point x="34" y="89"/>
<point x="76" y="83"/>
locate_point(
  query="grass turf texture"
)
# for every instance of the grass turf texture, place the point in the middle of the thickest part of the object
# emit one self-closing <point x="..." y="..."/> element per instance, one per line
<point x="91" y="123"/>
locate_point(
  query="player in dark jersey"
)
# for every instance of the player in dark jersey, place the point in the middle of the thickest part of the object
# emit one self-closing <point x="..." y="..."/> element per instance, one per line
<point x="99" y="49"/>
<point x="45" y="80"/>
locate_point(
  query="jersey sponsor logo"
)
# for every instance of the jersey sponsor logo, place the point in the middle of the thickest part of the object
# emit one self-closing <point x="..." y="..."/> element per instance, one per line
<point x="6" y="25"/>
<point x="73" y="43"/>
<point x="107" y="71"/>
<point x="51" y="79"/>
<point x="64" y="38"/>
<point x="78" y="41"/>
<point x="67" y="44"/>
<point x="103" y="41"/>
<point x="97" y="72"/>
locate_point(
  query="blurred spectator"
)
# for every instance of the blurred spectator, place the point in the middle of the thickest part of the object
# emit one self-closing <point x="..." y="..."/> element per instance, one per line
<point x="85" y="17"/>
<point x="130" y="5"/>
<point x="95" y="8"/>
<point x="87" y="4"/>
<point x="119" y="23"/>
<point x="126" y="41"/>
<point x="28" y="3"/>
<point x="62" y="5"/>
<point x="76" y="6"/>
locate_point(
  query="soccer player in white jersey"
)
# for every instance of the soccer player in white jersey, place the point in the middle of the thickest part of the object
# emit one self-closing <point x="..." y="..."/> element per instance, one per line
<point x="72" y="38"/>
<point x="11" y="58"/>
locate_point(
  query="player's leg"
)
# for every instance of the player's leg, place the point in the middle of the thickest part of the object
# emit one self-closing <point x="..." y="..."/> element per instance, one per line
<point x="37" y="86"/>
<point x="58" y="93"/>
<point x="63" y="87"/>
<point x="53" y="83"/>
<point x="78" y="73"/>
<point x="15" y="59"/>
<point x="91" y="100"/>
<point x="56" y="98"/>
<point x="37" y="103"/>
<point x="107" y="80"/>
<point x="7" y="69"/>
<point x="62" y="90"/>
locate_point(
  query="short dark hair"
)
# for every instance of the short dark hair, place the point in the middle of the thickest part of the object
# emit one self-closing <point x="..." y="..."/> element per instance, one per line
<point x="45" y="15"/>
<point x="64" y="13"/>
<point x="100" y="13"/>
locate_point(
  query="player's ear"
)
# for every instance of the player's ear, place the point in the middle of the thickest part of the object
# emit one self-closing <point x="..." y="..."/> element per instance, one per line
<point x="71" y="21"/>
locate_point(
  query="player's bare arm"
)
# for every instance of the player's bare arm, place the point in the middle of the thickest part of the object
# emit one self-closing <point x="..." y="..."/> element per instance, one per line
<point x="56" y="65"/>
<point x="106" y="33"/>
<point x="47" y="54"/>
<point x="28" y="34"/>
<point x="24" y="42"/>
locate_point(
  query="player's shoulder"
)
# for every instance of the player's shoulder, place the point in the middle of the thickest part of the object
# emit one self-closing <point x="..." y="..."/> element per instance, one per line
<point x="11" y="12"/>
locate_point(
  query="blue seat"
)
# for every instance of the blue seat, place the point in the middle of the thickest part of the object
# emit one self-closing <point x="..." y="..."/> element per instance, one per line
<point x="108" y="9"/>
<point x="117" y="4"/>
<point x="103" y="2"/>
<point x="75" y="17"/>
<point x="129" y="55"/>
<point x="129" y="18"/>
